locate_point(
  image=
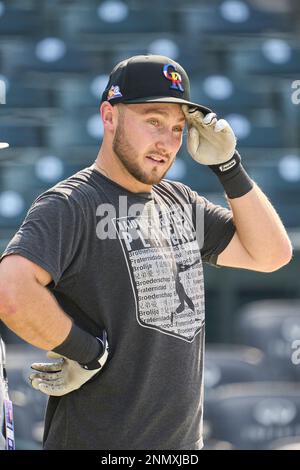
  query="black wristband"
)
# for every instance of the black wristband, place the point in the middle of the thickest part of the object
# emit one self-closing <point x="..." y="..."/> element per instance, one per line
<point x="99" y="361"/>
<point x="233" y="177"/>
<point x="80" y="346"/>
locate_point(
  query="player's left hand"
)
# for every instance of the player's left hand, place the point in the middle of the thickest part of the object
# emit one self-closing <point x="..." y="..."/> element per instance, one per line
<point x="61" y="377"/>
<point x="210" y="141"/>
<point x="65" y="376"/>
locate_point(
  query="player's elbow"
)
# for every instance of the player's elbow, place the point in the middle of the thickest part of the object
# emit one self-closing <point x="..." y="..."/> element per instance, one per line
<point x="11" y="284"/>
<point x="7" y="303"/>
<point x="280" y="259"/>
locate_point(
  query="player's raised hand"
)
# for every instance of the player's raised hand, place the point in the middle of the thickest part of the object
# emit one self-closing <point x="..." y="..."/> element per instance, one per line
<point x="210" y="141"/>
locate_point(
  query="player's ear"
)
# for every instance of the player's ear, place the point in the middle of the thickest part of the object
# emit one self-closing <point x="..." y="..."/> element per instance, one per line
<point x="108" y="112"/>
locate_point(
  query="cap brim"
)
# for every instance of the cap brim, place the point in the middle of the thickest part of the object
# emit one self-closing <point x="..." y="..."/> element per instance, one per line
<point x="168" y="99"/>
<point x="3" y="145"/>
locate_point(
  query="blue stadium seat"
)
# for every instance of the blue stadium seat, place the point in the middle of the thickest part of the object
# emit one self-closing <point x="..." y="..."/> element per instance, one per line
<point x="272" y="326"/>
<point x="82" y="130"/>
<point x="258" y="128"/>
<point x="263" y="136"/>
<point x="252" y="415"/>
<point x="11" y="222"/>
<point x="289" y="213"/>
<point x="219" y="19"/>
<point x="279" y="59"/>
<point x="229" y="93"/>
<point x="226" y="364"/>
<point x="22" y="135"/>
<point x="74" y="93"/>
<point x="21" y="57"/>
<point x="31" y="182"/>
<point x="13" y="206"/>
<point x="284" y="192"/>
<point x="88" y="21"/>
<point x="267" y="174"/>
<point x="188" y="53"/>
<point x="18" y="22"/>
<point x="23" y="96"/>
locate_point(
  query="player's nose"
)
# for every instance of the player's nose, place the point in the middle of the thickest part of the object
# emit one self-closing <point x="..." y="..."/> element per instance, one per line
<point x="167" y="144"/>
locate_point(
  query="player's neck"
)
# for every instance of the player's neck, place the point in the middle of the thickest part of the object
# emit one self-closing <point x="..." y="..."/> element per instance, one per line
<point x="110" y="166"/>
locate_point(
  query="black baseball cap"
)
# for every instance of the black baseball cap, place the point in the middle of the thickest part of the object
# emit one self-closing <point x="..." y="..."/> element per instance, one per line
<point x="149" y="79"/>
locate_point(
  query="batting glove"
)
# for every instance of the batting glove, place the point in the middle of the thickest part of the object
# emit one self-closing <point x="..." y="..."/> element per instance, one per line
<point x="210" y="141"/>
<point x="65" y="376"/>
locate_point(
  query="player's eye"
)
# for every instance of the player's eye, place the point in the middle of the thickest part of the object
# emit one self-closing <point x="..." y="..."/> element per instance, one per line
<point x="178" y="129"/>
<point x="153" y="121"/>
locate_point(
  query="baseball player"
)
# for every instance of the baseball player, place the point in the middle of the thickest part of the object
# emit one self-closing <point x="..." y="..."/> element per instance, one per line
<point x="92" y="273"/>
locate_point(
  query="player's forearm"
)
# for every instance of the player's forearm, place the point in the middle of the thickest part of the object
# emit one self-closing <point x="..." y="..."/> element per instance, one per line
<point x="33" y="313"/>
<point x="260" y="229"/>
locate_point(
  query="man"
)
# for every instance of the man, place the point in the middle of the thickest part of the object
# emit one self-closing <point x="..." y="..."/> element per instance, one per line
<point x="100" y="254"/>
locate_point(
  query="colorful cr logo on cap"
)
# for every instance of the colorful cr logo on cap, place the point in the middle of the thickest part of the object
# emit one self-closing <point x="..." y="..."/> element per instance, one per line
<point x="114" y="92"/>
<point x="174" y="76"/>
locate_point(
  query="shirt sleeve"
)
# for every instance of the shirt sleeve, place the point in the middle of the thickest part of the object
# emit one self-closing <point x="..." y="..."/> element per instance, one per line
<point x="214" y="228"/>
<point x="51" y="235"/>
<point x="219" y="229"/>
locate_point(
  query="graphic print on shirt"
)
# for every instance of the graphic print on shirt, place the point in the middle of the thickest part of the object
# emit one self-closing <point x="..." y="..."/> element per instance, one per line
<point x="166" y="270"/>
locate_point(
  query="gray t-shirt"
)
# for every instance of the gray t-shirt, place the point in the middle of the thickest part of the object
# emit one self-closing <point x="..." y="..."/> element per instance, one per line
<point x="144" y="285"/>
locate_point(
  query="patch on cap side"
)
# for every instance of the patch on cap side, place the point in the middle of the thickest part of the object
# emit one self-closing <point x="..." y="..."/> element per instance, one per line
<point x="114" y="92"/>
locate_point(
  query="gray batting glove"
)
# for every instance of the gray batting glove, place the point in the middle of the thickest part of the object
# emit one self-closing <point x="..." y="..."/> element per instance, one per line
<point x="210" y="141"/>
<point x="64" y="376"/>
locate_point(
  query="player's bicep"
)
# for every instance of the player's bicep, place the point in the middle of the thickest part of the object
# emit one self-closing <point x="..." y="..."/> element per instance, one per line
<point x="236" y="256"/>
<point x="14" y="267"/>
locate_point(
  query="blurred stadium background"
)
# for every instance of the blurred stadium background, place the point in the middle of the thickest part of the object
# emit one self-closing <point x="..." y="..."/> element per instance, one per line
<point x="243" y="57"/>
